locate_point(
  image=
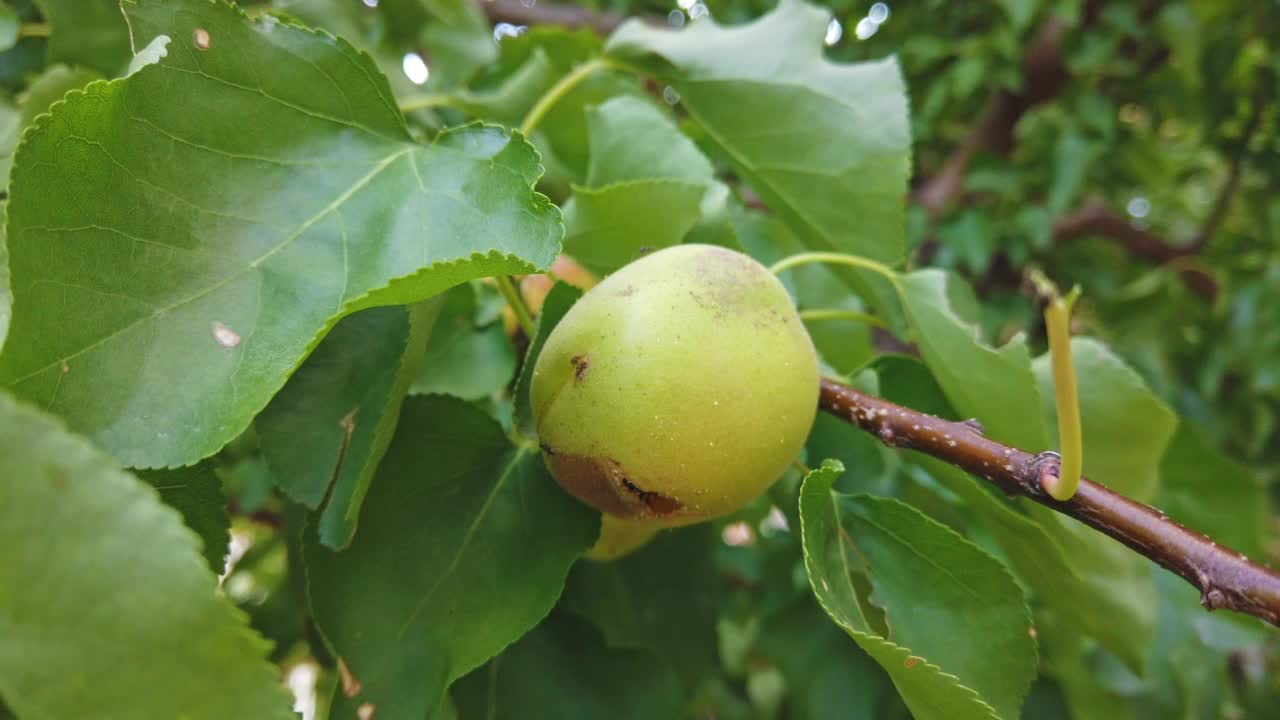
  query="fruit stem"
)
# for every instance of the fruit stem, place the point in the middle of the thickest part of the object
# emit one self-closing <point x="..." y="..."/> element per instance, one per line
<point x="559" y="90"/>
<point x="513" y="298"/>
<point x="841" y="314"/>
<point x="1057" y="323"/>
<point x="832" y="258"/>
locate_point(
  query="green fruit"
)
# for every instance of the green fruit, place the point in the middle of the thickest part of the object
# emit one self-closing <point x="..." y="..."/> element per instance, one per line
<point x="677" y="389"/>
<point x="619" y="537"/>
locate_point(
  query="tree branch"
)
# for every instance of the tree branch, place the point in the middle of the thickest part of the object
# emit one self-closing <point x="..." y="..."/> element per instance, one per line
<point x="1094" y="218"/>
<point x="1225" y="579"/>
<point x="1222" y="203"/>
<point x="1044" y="73"/>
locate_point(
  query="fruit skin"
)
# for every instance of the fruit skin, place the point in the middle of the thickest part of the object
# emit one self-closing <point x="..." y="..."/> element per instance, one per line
<point x="620" y="537"/>
<point x="678" y="389"/>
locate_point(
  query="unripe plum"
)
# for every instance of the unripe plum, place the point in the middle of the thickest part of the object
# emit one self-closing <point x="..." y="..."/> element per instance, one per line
<point x="678" y="389"/>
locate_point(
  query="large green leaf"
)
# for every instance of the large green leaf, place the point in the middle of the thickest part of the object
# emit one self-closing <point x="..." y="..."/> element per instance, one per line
<point x="196" y="492"/>
<point x="325" y="432"/>
<point x="464" y="546"/>
<point x="958" y="644"/>
<point x="994" y="385"/>
<point x="1207" y="491"/>
<point x="563" y="671"/>
<point x="646" y="186"/>
<point x="92" y="33"/>
<point x="662" y="597"/>
<point x="609" y="227"/>
<point x="169" y="269"/>
<point x="465" y="359"/>
<point x="106" y="607"/>
<point x="825" y="145"/>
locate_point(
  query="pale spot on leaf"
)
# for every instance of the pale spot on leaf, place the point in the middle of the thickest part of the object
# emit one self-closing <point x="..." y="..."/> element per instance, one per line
<point x="365" y="711"/>
<point x="225" y="336"/>
<point x="202" y="39"/>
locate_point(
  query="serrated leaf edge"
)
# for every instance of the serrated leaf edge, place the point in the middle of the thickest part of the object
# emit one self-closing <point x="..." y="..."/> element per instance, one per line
<point x="239" y="625"/>
<point x="517" y="265"/>
<point x="831" y="469"/>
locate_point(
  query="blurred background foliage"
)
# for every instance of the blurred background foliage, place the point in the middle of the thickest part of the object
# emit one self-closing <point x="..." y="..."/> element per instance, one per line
<point x="1129" y="146"/>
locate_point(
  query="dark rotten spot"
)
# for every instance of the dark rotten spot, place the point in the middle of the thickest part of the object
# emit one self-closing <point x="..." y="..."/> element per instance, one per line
<point x="580" y="363"/>
<point x="603" y="484"/>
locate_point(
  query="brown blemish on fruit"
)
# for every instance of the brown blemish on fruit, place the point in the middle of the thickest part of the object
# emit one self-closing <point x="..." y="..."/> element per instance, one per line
<point x="603" y="484"/>
<point x="580" y="363"/>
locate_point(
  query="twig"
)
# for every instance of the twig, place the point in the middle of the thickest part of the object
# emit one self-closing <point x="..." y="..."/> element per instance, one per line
<point x="1044" y="74"/>
<point x="1225" y="579"/>
<point x="1222" y="203"/>
<point x="1094" y="218"/>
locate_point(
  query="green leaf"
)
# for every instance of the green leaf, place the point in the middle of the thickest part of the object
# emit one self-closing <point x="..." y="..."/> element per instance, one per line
<point x="459" y="38"/>
<point x="9" y="27"/>
<point x="631" y="139"/>
<point x="1126" y="426"/>
<point x="554" y="307"/>
<point x="6" y="299"/>
<point x="50" y="87"/>
<point x="1072" y="156"/>
<point x="646" y="186"/>
<point x="609" y="227"/>
<point x="563" y="671"/>
<point x="828" y="678"/>
<point x="457" y="557"/>
<point x="464" y="360"/>
<point x="10" y="130"/>
<point x="995" y="386"/>
<point x="1126" y="429"/>
<point x="90" y="33"/>
<point x="826" y="145"/>
<point x="663" y="597"/>
<point x="196" y="492"/>
<point x="215" y="272"/>
<point x="325" y="432"/>
<point x="106" y="607"/>
<point x="531" y="64"/>
<point x="959" y="644"/>
<point x="1207" y="491"/>
<point x="1037" y="555"/>
<point x="1020" y="12"/>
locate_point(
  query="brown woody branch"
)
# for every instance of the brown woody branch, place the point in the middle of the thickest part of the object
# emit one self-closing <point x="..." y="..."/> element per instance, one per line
<point x="1094" y="218"/>
<point x="1044" y="73"/>
<point x="1225" y="579"/>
